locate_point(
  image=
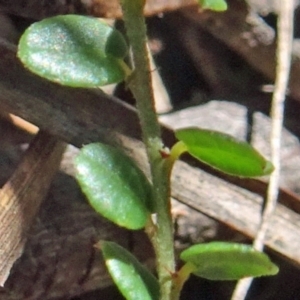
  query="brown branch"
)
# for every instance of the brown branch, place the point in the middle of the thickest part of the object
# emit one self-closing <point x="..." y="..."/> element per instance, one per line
<point x="22" y="196"/>
<point x="76" y="116"/>
<point x="60" y="243"/>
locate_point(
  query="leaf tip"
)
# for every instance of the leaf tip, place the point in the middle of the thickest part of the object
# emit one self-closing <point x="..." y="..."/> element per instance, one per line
<point x="274" y="269"/>
<point x="269" y="168"/>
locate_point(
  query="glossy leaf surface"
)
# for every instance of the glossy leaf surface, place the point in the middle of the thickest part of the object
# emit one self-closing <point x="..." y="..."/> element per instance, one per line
<point x="115" y="187"/>
<point x="228" y="261"/>
<point x="74" y="50"/>
<point x="216" y="5"/>
<point x="224" y="152"/>
<point x="133" y="280"/>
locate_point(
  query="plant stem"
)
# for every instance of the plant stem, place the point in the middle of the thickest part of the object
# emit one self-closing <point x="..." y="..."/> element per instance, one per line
<point x="140" y="82"/>
<point x="141" y="87"/>
<point x="181" y="277"/>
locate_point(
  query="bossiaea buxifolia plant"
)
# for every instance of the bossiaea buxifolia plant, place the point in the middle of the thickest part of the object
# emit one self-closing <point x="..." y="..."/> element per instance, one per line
<point x="81" y="51"/>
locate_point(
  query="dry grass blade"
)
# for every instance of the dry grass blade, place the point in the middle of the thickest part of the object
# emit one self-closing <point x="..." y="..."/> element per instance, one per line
<point x="284" y="50"/>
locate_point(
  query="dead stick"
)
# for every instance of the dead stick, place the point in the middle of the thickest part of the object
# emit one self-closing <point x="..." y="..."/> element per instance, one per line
<point x="284" y="51"/>
<point x="75" y="115"/>
<point x="21" y="196"/>
<point x="80" y="116"/>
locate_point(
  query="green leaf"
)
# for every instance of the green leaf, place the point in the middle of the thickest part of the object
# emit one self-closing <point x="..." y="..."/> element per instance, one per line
<point x="227" y="261"/>
<point x="115" y="187"/>
<point x="216" y="5"/>
<point x="77" y="51"/>
<point x="223" y="152"/>
<point x="133" y="280"/>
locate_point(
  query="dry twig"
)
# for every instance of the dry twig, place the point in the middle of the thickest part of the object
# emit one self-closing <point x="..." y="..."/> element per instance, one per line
<point x="22" y="195"/>
<point x="284" y="50"/>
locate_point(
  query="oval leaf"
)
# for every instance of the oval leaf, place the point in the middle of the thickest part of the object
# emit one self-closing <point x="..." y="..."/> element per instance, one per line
<point x="133" y="280"/>
<point x="224" y="152"/>
<point x="77" y="51"/>
<point x="115" y="187"/>
<point x="216" y="5"/>
<point x="228" y="261"/>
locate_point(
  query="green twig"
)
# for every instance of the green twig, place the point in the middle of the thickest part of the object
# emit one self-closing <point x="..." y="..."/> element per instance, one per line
<point x="141" y="87"/>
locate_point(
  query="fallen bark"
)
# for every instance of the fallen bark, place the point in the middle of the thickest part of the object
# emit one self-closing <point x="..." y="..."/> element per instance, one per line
<point x="76" y="116"/>
<point x="22" y="195"/>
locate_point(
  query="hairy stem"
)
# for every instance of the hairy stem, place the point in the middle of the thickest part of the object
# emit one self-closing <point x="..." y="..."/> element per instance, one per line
<point x="141" y="87"/>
